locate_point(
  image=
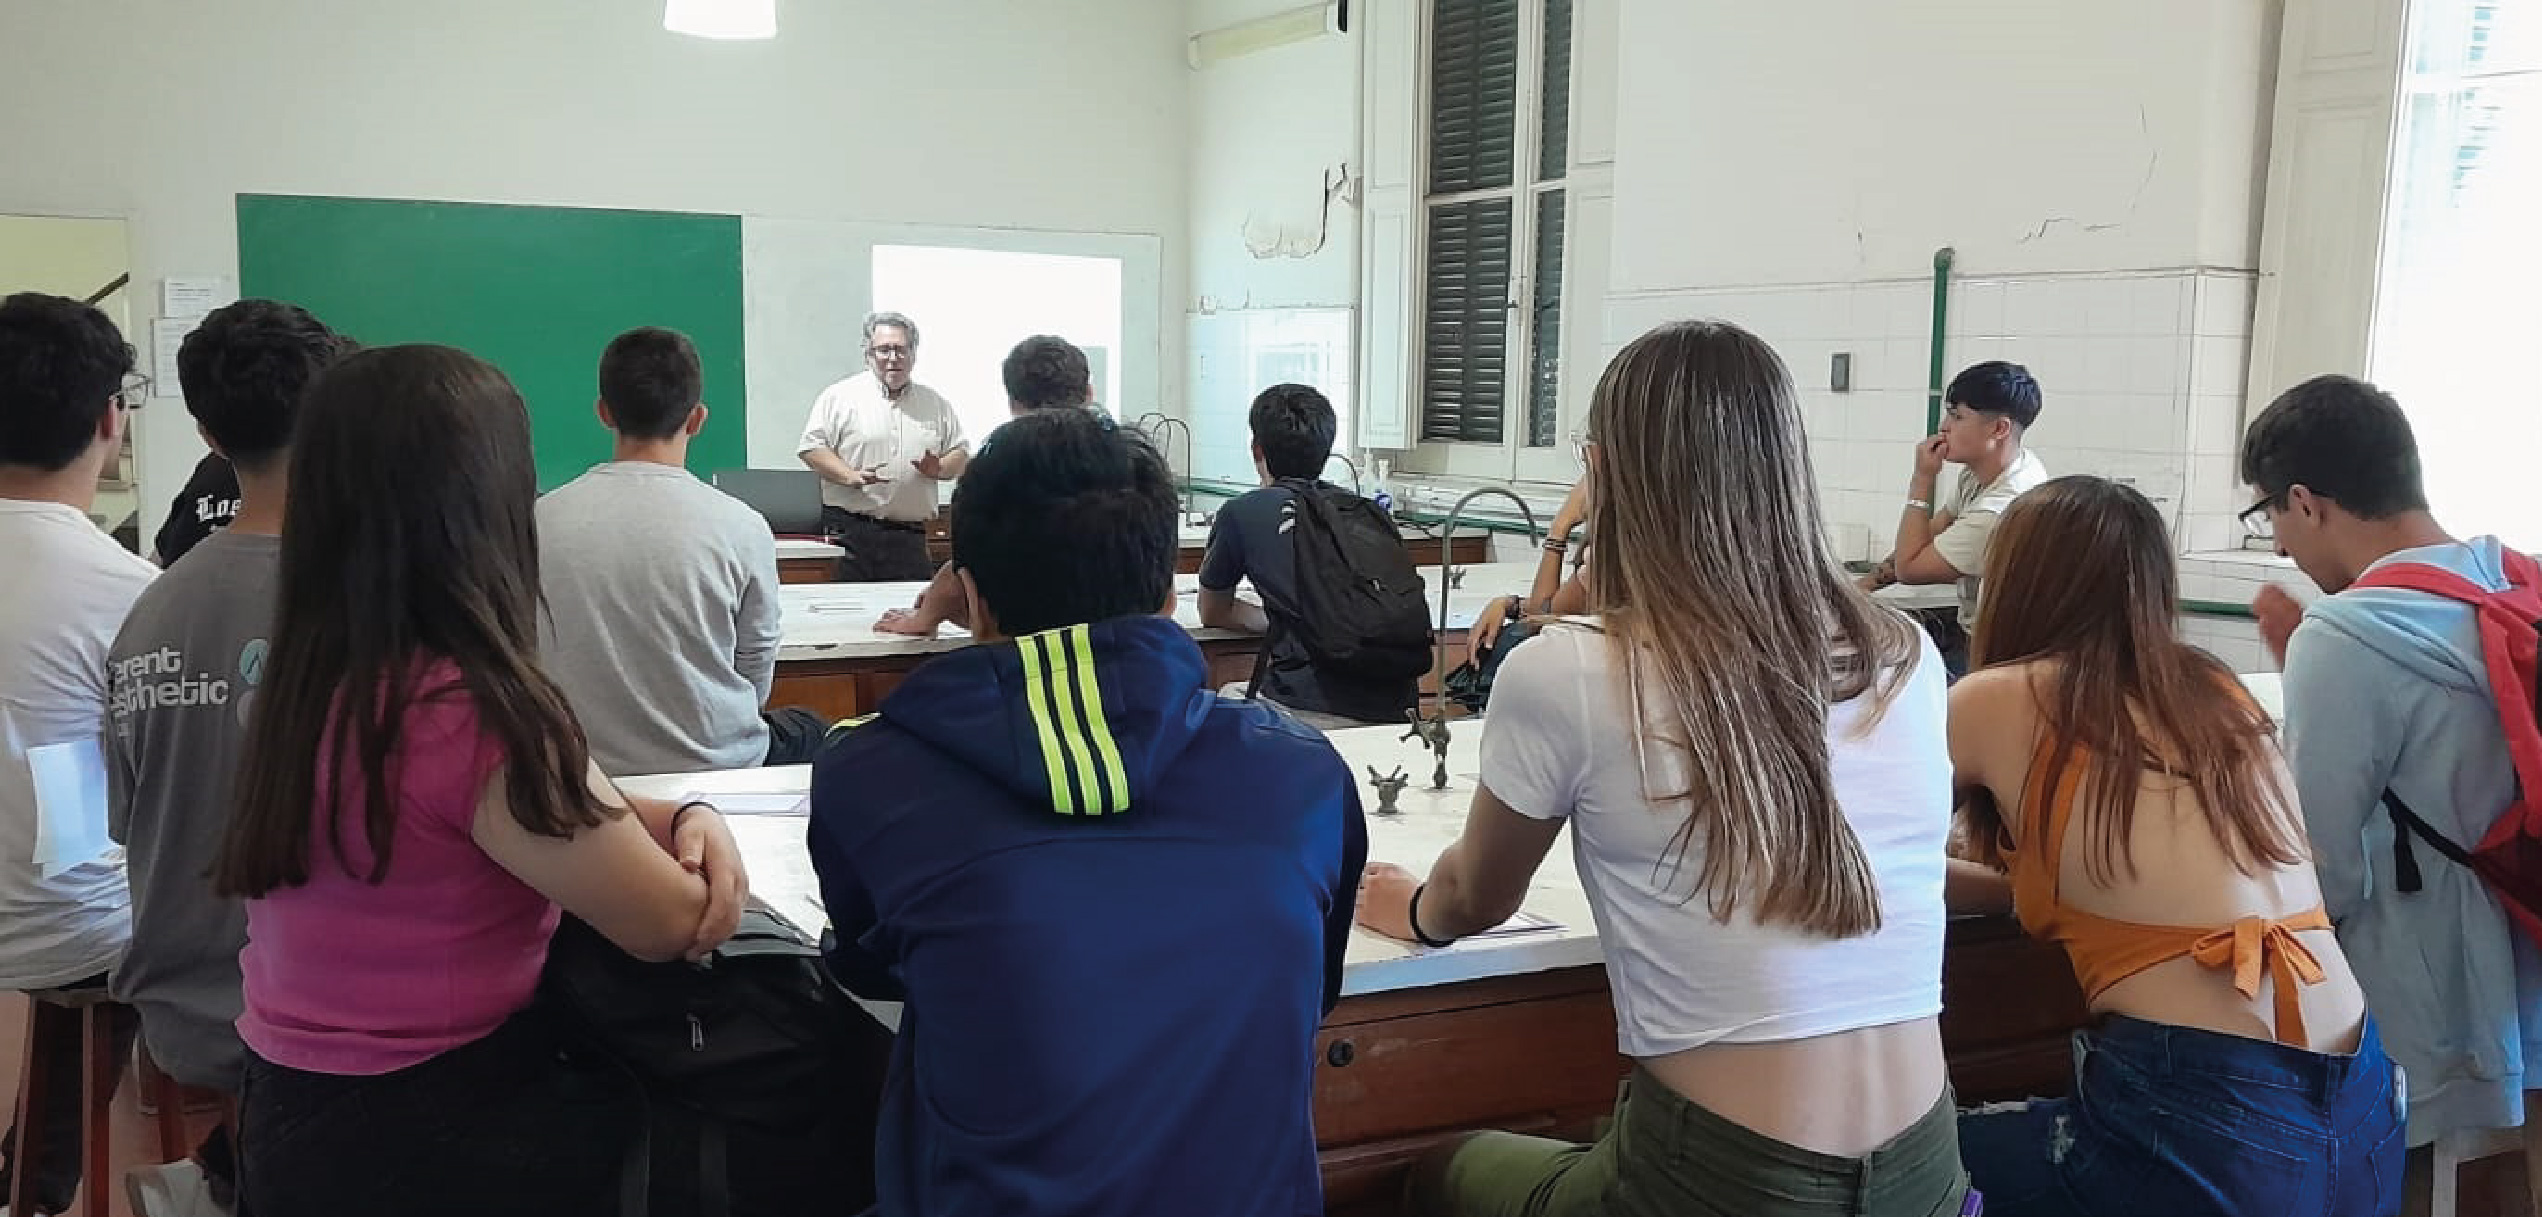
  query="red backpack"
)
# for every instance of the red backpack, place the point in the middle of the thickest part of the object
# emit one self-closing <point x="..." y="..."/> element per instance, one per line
<point x="2509" y="857"/>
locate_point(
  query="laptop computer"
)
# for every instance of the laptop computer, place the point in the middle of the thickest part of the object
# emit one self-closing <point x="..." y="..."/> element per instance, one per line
<point x="789" y="498"/>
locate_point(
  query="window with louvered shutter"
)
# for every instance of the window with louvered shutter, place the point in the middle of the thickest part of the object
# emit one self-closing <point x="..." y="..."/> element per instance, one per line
<point x="1500" y="75"/>
<point x="1544" y="361"/>
<point x="1465" y="322"/>
<point x="1554" y="95"/>
<point x="1473" y="94"/>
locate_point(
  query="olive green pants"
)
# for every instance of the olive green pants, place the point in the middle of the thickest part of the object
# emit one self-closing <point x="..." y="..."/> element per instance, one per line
<point x="1667" y="1157"/>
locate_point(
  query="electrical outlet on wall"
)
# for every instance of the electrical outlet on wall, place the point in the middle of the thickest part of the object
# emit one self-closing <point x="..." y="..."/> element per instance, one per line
<point x="1840" y="372"/>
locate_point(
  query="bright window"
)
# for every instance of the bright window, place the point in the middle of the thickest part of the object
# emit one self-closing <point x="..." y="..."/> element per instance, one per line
<point x="973" y="305"/>
<point x="2462" y="251"/>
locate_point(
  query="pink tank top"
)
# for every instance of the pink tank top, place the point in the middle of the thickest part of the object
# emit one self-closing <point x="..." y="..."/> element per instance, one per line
<point x="344" y="977"/>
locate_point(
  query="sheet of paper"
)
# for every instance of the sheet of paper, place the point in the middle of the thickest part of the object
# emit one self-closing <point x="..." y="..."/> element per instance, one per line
<point x="70" y="804"/>
<point x="781" y="871"/>
<point x="754" y="803"/>
<point x="166" y="335"/>
<point x="187" y="298"/>
<point x="1522" y="925"/>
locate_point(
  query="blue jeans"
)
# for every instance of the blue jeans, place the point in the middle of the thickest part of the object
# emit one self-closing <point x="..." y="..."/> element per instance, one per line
<point x="2183" y="1123"/>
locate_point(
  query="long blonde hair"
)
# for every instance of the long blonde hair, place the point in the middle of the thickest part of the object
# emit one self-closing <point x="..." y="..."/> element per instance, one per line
<point x="1735" y="624"/>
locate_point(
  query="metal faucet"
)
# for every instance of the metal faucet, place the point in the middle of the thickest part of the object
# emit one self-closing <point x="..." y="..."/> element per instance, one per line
<point x="1434" y="731"/>
<point x="1354" y="469"/>
<point x="1164" y="423"/>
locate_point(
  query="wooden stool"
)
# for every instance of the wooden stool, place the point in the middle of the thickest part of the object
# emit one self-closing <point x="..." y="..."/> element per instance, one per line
<point x="167" y="1102"/>
<point x="2471" y="1145"/>
<point x="100" y="1065"/>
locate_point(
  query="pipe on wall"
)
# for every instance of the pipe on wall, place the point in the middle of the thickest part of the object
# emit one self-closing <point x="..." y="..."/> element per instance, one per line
<point x="1939" y="380"/>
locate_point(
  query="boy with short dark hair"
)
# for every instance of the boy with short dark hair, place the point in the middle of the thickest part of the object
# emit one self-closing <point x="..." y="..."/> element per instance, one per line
<point x="1115" y="904"/>
<point x="662" y="590"/>
<point x="182" y="673"/>
<point x="1254" y="539"/>
<point x="2389" y="690"/>
<point x="65" y="909"/>
<point x="1988" y="411"/>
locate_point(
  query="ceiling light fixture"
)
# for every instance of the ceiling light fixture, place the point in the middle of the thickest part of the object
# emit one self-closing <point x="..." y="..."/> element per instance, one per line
<point x="721" y="19"/>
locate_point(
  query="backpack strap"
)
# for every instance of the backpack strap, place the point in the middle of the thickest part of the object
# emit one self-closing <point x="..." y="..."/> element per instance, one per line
<point x="2405" y="825"/>
<point x="1262" y="658"/>
<point x="2510" y="646"/>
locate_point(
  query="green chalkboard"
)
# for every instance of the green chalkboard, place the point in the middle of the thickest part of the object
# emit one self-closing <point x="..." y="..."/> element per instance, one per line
<point x="537" y="291"/>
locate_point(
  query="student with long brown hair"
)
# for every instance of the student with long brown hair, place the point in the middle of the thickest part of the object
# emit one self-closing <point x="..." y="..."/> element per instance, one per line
<point x="414" y="804"/>
<point x="1750" y="754"/>
<point x="2139" y="801"/>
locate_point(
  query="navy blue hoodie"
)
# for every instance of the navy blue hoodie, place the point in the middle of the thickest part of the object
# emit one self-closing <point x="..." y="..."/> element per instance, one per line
<point x="1116" y="906"/>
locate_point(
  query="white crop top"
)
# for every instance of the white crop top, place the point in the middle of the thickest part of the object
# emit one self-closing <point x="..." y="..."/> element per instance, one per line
<point x="1558" y="742"/>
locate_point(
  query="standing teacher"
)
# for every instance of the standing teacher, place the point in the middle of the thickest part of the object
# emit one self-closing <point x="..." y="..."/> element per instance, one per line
<point x="881" y="442"/>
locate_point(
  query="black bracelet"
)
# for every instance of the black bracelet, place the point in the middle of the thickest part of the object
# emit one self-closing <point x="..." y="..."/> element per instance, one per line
<point x="1412" y="918"/>
<point x="685" y="808"/>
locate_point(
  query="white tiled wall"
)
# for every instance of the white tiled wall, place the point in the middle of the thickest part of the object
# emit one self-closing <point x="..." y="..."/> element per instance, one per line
<point x="2142" y="372"/>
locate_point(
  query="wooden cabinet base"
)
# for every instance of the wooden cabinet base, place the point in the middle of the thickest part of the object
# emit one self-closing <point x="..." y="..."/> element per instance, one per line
<point x="805" y="570"/>
<point x="839" y="689"/>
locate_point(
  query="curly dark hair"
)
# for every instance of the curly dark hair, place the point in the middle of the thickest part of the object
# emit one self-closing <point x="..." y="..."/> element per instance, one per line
<point x="244" y="371"/>
<point x="61" y="365"/>
<point x="1043" y="371"/>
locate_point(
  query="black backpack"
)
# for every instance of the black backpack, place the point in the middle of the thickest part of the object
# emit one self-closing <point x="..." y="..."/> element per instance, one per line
<point x="761" y="1078"/>
<point x="1361" y="612"/>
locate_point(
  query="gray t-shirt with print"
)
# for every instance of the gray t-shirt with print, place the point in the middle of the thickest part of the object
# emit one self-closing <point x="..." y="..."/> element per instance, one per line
<point x="182" y="677"/>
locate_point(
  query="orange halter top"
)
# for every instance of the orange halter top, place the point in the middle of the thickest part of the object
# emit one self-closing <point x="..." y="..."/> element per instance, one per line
<point x="2105" y="951"/>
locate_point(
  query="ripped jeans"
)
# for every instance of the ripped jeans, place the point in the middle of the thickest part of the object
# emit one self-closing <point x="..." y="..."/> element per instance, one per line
<point x="2187" y="1123"/>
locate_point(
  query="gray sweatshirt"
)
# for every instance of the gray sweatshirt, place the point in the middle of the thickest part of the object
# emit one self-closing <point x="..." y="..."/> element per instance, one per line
<point x="662" y="617"/>
<point x="180" y="680"/>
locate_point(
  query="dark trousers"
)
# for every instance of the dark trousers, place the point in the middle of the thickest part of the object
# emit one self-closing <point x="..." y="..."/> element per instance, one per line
<point x="878" y="551"/>
<point x="794" y="734"/>
<point x="54" y="1035"/>
<point x="2191" y="1123"/>
<point x="1949" y="637"/>
<point x="503" y="1127"/>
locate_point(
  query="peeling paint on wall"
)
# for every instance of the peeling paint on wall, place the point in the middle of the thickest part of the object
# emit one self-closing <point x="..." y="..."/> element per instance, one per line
<point x="1271" y="236"/>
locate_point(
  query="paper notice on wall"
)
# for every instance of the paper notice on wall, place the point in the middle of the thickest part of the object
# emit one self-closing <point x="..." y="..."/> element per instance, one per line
<point x="188" y="298"/>
<point x="70" y="804"/>
<point x="167" y="336"/>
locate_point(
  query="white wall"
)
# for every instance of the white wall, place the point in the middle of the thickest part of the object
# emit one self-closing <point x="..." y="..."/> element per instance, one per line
<point x="1266" y="133"/>
<point x="1065" y="115"/>
<point x="2094" y="165"/>
<point x="1847" y="139"/>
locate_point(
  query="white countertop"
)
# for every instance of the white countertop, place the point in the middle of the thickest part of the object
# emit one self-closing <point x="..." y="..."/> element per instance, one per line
<point x="836" y="620"/>
<point x="1426" y="823"/>
<point x="781" y="871"/>
<point x="791" y="548"/>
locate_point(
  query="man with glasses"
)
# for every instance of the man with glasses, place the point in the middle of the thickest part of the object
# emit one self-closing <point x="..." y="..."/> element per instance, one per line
<point x="2388" y="696"/>
<point x="881" y="442"/>
<point x="67" y="915"/>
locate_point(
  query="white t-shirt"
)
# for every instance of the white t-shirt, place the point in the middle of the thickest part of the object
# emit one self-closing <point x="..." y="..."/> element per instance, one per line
<point x="1559" y="743"/>
<point x="69" y="591"/>
<point x="1975" y="508"/>
<point x="871" y="431"/>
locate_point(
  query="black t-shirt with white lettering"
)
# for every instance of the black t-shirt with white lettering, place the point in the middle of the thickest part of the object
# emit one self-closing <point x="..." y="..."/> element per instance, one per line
<point x="208" y="502"/>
